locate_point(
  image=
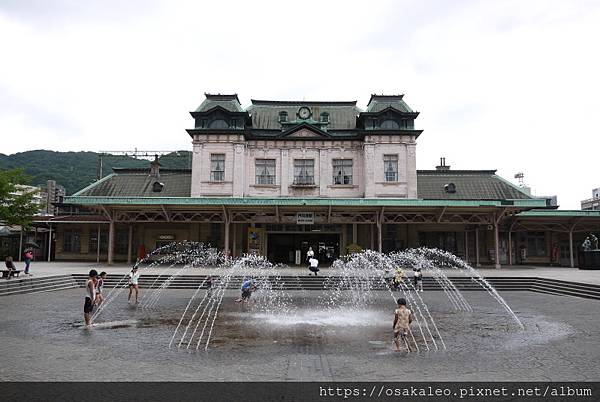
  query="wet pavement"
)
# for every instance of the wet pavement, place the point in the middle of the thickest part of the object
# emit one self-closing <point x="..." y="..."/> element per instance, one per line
<point x="41" y="339"/>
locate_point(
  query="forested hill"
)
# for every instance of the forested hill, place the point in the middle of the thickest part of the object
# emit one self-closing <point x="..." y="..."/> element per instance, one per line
<point x="76" y="170"/>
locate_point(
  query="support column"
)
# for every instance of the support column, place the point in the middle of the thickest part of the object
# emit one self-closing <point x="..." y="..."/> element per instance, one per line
<point x="354" y="233"/>
<point x="111" y="242"/>
<point x="372" y="234"/>
<point x="344" y="239"/>
<point x="467" y="246"/>
<point x="510" y="259"/>
<point x="379" y="236"/>
<point x="477" y="264"/>
<point x="284" y="176"/>
<point x="496" y="247"/>
<point x="369" y="169"/>
<point x="129" y="244"/>
<point x="21" y="245"/>
<point x="239" y="175"/>
<point x="234" y="247"/>
<point x="50" y="242"/>
<point x="98" y="246"/>
<point x="571" y="248"/>
<point x="226" y="246"/>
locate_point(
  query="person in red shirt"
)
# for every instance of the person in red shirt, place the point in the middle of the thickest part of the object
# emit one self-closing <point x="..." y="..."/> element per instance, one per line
<point x="28" y="257"/>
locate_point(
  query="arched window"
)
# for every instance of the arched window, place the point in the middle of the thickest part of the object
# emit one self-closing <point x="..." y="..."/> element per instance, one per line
<point x="218" y="124"/>
<point x="389" y="125"/>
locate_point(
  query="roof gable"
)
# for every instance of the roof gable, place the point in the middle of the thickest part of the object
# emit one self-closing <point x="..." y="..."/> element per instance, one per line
<point x="305" y="130"/>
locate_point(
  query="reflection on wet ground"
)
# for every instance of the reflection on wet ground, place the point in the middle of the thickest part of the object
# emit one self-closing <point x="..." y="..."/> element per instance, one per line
<point x="302" y="343"/>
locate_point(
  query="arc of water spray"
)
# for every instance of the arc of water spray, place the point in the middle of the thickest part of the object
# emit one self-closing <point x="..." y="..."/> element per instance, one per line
<point x="118" y="288"/>
<point x="215" y="302"/>
<point x="185" y="311"/>
<point x="430" y="318"/>
<point x="154" y="299"/>
<point x="148" y="296"/>
<point x="210" y="302"/>
<point x="214" y="319"/>
<point x="191" y="320"/>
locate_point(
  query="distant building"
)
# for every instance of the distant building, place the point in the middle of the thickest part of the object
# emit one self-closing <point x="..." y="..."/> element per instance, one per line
<point x="51" y="194"/>
<point x="551" y="200"/>
<point x="592" y="204"/>
<point x="21" y="189"/>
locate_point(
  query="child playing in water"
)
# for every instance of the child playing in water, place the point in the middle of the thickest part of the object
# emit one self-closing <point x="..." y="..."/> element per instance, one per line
<point x="134" y="277"/>
<point x="90" y="297"/>
<point x="398" y="278"/>
<point x="99" y="288"/>
<point x="402" y="319"/>
<point x="247" y="289"/>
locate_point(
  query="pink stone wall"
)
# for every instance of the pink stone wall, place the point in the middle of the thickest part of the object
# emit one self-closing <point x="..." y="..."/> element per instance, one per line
<point x="368" y="170"/>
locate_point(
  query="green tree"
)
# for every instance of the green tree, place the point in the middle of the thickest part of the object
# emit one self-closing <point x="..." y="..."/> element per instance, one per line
<point x="16" y="206"/>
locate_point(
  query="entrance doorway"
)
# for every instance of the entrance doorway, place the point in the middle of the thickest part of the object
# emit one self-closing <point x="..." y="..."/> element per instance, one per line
<point x="281" y="247"/>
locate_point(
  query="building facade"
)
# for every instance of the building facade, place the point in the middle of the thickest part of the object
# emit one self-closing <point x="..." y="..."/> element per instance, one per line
<point x="279" y="177"/>
<point x="592" y="204"/>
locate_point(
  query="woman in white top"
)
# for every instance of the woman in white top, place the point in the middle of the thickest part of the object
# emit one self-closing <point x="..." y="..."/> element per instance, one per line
<point x="313" y="265"/>
<point x="310" y="254"/>
<point x="134" y="277"/>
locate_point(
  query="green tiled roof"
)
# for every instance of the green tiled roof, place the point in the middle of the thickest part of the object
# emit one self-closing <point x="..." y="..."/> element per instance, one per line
<point x="470" y="185"/>
<point x="265" y="114"/>
<point x="228" y="102"/>
<point x="139" y="184"/>
<point x="558" y="213"/>
<point x="472" y="188"/>
<point x="354" y="202"/>
<point x="377" y="103"/>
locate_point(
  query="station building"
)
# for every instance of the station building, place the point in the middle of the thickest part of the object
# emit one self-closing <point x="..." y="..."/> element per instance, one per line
<point x="281" y="176"/>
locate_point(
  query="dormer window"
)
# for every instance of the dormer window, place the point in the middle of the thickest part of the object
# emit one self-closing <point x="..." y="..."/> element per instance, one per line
<point x="283" y="117"/>
<point x="218" y="124"/>
<point x="450" y="188"/>
<point x="389" y="125"/>
<point x="157" y="187"/>
<point x="324" y="117"/>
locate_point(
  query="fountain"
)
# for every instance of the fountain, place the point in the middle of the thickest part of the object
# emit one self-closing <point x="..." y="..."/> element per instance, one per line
<point x="354" y="286"/>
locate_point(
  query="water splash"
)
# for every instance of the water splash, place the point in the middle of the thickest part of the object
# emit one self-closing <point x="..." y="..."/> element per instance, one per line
<point x="355" y="283"/>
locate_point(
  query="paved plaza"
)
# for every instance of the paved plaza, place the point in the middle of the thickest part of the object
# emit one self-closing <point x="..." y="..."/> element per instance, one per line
<point x="42" y="269"/>
<point x="41" y="339"/>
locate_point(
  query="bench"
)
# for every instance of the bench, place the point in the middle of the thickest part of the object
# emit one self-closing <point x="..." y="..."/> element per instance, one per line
<point x="11" y="272"/>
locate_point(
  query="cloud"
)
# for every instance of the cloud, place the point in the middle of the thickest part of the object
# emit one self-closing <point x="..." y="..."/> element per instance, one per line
<point x="509" y="85"/>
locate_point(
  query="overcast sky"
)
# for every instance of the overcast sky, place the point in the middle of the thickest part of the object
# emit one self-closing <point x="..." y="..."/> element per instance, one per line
<point x="507" y="85"/>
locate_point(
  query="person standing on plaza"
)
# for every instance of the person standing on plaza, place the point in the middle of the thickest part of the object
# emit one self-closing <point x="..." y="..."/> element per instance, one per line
<point x="418" y="280"/>
<point x="90" y="297"/>
<point x="313" y="265"/>
<point x="523" y="254"/>
<point x="310" y="254"/>
<point x="402" y="319"/>
<point x="134" y="277"/>
<point x="28" y="257"/>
